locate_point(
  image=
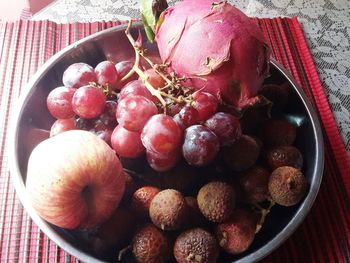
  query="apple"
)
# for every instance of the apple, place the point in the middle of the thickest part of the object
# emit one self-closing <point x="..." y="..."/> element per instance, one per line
<point x="74" y="180"/>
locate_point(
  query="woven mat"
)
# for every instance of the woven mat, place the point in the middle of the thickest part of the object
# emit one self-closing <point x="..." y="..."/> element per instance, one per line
<point x="324" y="236"/>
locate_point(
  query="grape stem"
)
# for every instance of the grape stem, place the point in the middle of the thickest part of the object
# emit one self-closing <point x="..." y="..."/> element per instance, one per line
<point x="123" y="251"/>
<point x="159" y="93"/>
<point x="154" y="66"/>
<point x="130" y="171"/>
<point x="264" y="212"/>
<point x="137" y="69"/>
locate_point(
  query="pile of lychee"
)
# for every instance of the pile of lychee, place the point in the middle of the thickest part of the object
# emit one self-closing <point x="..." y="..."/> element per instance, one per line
<point x="195" y="214"/>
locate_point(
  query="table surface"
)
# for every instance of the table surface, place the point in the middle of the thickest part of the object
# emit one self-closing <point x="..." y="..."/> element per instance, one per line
<point x="326" y="25"/>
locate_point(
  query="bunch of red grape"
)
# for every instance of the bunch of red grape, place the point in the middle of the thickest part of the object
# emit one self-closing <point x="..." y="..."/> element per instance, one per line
<point x="85" y="101"/>
<point x="133" y="121"/>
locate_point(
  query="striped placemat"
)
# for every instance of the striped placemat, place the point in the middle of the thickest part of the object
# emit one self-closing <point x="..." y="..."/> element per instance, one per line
<point x="324" y="236"/>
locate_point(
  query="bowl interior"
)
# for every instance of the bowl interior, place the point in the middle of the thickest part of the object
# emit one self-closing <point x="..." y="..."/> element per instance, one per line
<point x="112" y="44"/>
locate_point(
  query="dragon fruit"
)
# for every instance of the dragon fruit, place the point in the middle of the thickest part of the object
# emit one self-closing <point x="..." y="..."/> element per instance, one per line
<point x="215" y="45"/>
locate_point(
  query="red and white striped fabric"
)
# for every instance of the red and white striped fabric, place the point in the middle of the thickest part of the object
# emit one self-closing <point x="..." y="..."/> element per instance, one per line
<point x="324" y="236"/>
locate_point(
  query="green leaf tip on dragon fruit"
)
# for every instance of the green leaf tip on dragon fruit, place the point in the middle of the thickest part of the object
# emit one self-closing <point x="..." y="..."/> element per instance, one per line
<point x="218" y="47"/>
<point x="150" y="12"/>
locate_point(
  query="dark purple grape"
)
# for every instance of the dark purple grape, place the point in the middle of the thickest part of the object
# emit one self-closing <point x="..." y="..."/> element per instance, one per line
<point x="98" y="125"/>
<point x="108" y="115"/>
<point x="105" y="135"/>
<point x="78" y="75"/>
<point x="59" y="102"/>
<point x="88" y="102"/>
<point x="85" y="124"/>
<point x="200" y="145"/>
<point x="134" y="111"/>
<point x="225" y="126"/>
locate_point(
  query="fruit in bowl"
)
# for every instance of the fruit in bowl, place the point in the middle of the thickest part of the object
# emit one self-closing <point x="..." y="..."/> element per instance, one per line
<point x="74" y="180"/>
<point x="180" y="145"/>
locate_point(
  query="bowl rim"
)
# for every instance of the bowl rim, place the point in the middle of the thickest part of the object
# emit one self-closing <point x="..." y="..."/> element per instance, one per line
<point x="19" y="185"/>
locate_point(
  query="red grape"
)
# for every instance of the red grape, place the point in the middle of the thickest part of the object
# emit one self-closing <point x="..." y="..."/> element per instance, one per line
<point x="102" y="129"/>
<point x="62" y="125"/>
<point x="225" y="126"/>
<point x="134" y="111"/>
<point x="123" y="68"/>
<point x="59" y="102"/>
<point x="205" y="103"/>
<point x="127" y="143"/>
<point x="78" y="75"/>
<point x="88" y="102"/>
<point x="154" y="78"/>
<point x="200" y="145"/>
<point x="105" y="135"/>
<point x="98" y="125"/>
<point x="109" y="112"/>
<point x="85" y="124"/>
<point x="186" y="117"/>
<point x="136" y="87"/>
<point x="163" y="162"/>
<point x="106" y="73"/>
<point x="173" y="109"/>
<point x="161" y="134"/>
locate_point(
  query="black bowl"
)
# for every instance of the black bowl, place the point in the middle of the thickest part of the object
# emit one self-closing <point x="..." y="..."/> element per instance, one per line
<point x="112" y="44"/>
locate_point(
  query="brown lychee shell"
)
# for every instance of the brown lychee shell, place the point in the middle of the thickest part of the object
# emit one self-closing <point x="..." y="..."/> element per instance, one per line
<point x="287" y="155"/>
<point x="130" y="187"/>
<point x="117" y="231"/>
<point x="216" y="200"/>
<point x="141" y="199"/>
<point x="254" y="183"/>
<point x="277" y="94"/>
<point x="276" y="132"/>
<point x="194" y="216"/>
<point x="168" y="209"/>
<point x="287" y="185"/>
<point x="151" y="245"/>
<point x="237" y="233"/>
<point x="182" y="177"/>
<point x="196" y="245"/>
<point x="242" y="154"/>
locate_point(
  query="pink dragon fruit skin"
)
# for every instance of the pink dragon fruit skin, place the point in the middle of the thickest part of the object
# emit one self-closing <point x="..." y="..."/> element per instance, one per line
<point x="217" y="46"/>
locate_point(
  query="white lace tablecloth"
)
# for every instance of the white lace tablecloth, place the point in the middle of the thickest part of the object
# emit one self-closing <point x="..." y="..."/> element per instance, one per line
<point x="326" y="25"/>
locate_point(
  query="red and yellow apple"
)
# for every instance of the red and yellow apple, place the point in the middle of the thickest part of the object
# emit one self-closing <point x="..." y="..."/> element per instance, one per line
<point x="74" y="180"/>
